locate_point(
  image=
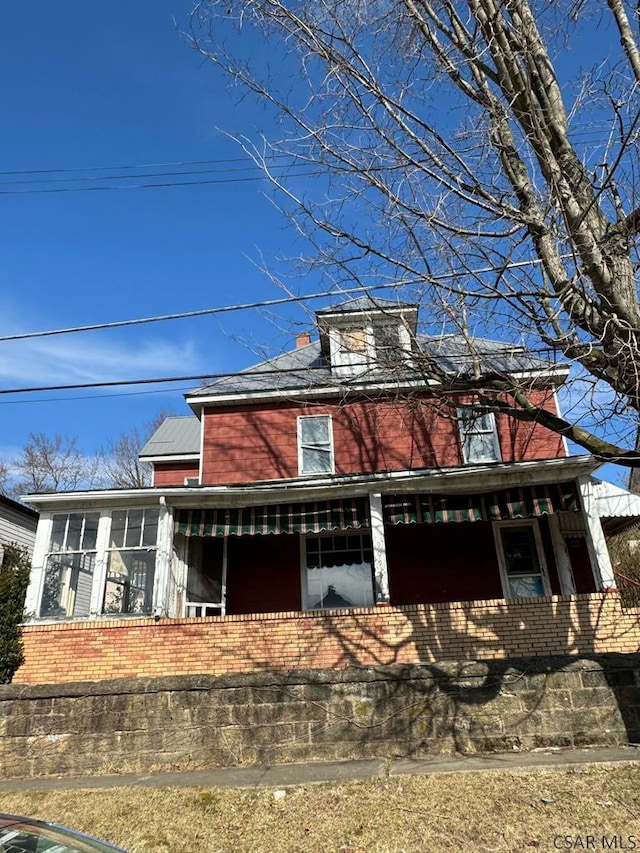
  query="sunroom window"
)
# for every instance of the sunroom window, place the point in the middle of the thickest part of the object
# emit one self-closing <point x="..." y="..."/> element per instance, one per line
<point x="338" y="571"/>
<point x="69" y="566"/>
<point x="131" y="561"/>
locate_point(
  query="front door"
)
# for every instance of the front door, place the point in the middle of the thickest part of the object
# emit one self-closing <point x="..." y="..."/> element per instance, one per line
<point x="206" y="577"/>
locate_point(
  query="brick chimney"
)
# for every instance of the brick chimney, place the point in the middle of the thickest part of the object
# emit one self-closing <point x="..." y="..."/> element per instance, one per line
<point x="303" y="340"/>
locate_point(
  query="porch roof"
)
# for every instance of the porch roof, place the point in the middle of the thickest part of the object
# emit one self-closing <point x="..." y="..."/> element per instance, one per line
<point x="461" y="480"/>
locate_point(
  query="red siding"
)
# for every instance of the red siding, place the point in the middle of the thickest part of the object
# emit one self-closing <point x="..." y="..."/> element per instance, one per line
<point x="259" y="442"/>
<point x="263" y="574"/>
<point x="174" y="473"/>
<point x="429" y="563"/>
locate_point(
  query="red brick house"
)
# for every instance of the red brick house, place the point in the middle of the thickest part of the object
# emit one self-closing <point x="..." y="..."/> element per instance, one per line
<point x="331" y="478"/>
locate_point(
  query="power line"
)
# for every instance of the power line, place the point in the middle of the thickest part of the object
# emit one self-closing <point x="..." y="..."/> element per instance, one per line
<point x="265" y="303"/>
<point x="118" y="187"/>
<point x="171" y="164"/>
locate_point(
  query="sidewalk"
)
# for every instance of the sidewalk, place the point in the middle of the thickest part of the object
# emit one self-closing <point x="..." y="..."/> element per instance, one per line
<point x="283" y="775"/>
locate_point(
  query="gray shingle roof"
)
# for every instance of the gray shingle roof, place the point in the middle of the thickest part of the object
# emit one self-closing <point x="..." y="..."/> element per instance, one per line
<point x="174" y="437"/>
<point x="305" y="369"/>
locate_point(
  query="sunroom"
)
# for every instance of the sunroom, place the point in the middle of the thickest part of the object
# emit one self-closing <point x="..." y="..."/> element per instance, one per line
<point x="501" y="531"/>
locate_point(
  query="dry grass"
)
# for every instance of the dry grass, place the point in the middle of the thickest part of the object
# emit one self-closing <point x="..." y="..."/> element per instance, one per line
<point x="483" y="812"/>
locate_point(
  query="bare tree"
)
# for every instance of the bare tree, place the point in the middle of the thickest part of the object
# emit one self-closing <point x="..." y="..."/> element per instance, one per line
<point x="5" y="488"/>
<point x="473" y="154"/>
<point x="122" y="468"/>
<point x="53" y="464"/>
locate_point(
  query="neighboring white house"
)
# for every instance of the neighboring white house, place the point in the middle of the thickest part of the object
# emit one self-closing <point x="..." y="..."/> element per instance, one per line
<point x="18" y="525"/>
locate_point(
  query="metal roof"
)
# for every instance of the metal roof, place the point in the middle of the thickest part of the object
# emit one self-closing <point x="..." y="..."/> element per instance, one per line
<point x="174" y="437"/>
<point x="305" y="369"/>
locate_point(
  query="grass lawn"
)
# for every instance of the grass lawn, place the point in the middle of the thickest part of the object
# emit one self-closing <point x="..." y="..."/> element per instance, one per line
<point x="484" y="812"/>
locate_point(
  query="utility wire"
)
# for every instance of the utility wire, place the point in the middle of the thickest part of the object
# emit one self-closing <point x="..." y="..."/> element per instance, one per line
<point x="265" y="303"/>
<point x="167" y="165"/>
<point x="117" y="187"/>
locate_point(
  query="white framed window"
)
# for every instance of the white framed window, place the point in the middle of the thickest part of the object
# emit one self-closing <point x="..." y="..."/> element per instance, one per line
<point x="69" y="565"/>
<point x="131" y="561"/>
<point x="315" y="445"/>
<point x="523" y="569"/>
<point x="337" y="571"/>
<point x="478" y="435"/>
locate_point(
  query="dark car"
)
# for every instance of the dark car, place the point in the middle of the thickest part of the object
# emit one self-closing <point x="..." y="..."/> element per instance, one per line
<point x="26" y="835"/>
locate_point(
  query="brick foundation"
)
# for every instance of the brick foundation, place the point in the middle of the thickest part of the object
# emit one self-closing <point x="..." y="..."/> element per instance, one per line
<point x="580" y="625"/>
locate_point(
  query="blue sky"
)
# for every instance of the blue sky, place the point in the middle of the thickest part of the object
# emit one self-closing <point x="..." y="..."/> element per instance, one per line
<point x="83" y="87"/>
<point x="105" y="86"/>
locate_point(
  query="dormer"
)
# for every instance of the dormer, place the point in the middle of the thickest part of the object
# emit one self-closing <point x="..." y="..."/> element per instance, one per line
<point x="367" y="333"/>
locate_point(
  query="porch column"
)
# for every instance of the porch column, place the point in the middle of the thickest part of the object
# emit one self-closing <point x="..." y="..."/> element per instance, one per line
<point x="102" y="560"/>
<point x="565" y="573"/>
<point x="379" y="548"/>
<point x="36" y="578"/>
<point x="163" y="560"/>
<point x="596" y="543"/>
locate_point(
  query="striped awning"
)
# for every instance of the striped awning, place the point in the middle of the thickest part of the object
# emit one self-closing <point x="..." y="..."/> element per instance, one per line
<point x="309" y="517"/>
<point x="504" y="505"/>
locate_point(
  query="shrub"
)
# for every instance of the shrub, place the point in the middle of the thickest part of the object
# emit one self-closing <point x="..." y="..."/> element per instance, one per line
<point x="624" y="550"/>
<point x="14" y="579"/>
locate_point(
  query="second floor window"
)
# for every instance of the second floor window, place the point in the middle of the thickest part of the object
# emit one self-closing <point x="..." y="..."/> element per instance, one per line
<point x="315" y="445"/>
<point x="478" y="436"/>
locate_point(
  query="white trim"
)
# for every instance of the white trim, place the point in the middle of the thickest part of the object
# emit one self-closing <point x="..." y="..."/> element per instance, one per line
<point x="378" y="542"/>
<point x="455" y="480"/>
<point x="176" y="457"/>
<point x="504" y="577"/>
<point x="333" y="534"/>
<point x="595" y="539"/>
<point x="563" y="560"/>
<point x="36" y="578"/>
<point x="301" y="471"/>
<point x="164" y="546"/>
<point x="493" y="430"/>
<point x="102" y="559"/>
<point x="312" y="393"/>
<point x="201" y="460"/>
<point x="565" y="443"/>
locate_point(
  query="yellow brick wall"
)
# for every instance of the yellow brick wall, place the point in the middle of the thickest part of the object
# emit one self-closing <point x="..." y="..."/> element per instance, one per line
<point x="481" y="630"/>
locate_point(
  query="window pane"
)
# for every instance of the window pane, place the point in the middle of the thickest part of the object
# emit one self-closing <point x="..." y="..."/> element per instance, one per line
<point x="90" y="530"/>
<point x="479" y="447"/>
<point x="134" y="528"/>
<point x="526" y="587"/>
<point x="387" y="341"/>
<point x="353" y="340"/>
<point x="67" y="585"/>
<point x="338" y="573"/>
<point x="74" y="532"/>
<point x="150" y="533"/>
<point x="129" y="587"/>
<point x="314" y="430"/>
<point x="316" y="461"/>
<point x="520" y="554"/>
<point x="118" y="523"/>
<point x="57" y="532"/>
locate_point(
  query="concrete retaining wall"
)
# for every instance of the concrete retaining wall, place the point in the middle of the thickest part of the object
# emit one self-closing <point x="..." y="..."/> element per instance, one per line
<point x="140" y="725"/>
